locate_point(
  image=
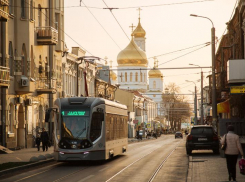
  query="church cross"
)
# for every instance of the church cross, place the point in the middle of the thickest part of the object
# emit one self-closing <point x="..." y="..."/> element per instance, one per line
<point x="132" y="27"/>
<point x="139" y="11"/>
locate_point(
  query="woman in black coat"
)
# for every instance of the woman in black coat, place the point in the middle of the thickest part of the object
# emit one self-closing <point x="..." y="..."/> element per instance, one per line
<point x="45" y="139"/>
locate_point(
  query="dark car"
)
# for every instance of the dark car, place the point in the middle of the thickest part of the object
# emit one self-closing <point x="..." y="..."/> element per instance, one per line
<point x="202" y="137"/>
<point x="178" y="134"/>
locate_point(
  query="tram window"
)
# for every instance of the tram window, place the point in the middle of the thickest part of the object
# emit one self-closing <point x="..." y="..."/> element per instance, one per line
<point x="96" y="124"/>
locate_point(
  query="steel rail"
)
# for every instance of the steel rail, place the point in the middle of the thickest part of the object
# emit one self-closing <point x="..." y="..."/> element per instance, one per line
<point x="153" y="176"/>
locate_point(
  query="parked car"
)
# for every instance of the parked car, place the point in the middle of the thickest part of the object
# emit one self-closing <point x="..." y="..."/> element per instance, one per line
<point x="178" y="134"/>
<point x="202" y="137"/>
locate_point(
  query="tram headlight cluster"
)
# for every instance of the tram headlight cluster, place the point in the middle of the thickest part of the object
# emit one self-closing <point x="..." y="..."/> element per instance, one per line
<point x="74" y="144"/>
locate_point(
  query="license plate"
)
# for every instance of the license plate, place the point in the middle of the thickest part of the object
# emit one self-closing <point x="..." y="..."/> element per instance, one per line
<point x="202" y="139"/>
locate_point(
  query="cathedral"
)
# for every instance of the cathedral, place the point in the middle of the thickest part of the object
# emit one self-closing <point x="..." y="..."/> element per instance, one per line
<point x="133" y="66"/>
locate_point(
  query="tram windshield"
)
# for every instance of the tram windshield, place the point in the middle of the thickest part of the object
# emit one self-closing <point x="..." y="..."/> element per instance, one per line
<point x="74" y="126"/>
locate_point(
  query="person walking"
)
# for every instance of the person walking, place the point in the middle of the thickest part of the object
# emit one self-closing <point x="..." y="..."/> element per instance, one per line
<point x="44" y="139"/>
<point x="232" y="151"/>
<point x="38" y="141"/>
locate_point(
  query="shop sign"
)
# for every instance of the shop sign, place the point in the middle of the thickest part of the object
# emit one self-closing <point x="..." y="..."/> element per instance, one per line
<point x="237" y="89"/>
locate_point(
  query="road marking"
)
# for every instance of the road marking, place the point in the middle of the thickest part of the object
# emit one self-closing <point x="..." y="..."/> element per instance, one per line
<point x="103" y="169"/>
<point x="18" y="158"/>
<point x="84" y="179"/>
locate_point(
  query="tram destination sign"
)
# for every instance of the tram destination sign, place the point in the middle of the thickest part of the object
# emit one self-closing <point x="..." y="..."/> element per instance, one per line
<point x="237" y="89"/>
<point x="74" y="113"/>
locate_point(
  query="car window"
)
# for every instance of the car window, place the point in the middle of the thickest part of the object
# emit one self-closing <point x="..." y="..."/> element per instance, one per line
<point x="205" y="130"/>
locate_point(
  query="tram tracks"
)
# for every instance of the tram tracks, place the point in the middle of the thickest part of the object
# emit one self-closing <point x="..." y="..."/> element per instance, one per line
<point x="156" y="171"/>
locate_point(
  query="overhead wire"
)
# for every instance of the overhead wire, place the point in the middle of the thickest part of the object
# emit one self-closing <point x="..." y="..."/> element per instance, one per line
<point x="63" y="31"/>
<point x="122" y="29"/>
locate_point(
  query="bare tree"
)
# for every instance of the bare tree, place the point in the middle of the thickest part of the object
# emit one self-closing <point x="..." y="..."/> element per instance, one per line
<point x="178" y="108"/>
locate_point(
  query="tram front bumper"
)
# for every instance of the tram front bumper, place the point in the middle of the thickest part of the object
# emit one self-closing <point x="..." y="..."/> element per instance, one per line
<point x="79" y="156"/>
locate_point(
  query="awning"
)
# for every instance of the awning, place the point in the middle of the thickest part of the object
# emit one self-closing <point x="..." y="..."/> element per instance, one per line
<point x="223" y="107"/>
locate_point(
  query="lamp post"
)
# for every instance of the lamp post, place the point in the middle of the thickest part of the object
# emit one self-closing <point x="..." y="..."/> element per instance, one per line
<point x="201" y="92"/>
<point x="195" y="102"/>
<point x="214" y="104"/>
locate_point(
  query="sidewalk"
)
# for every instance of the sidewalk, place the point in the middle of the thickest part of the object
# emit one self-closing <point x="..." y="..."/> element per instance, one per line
<point x="25" y="155"/>
<point x="204" y="166"/>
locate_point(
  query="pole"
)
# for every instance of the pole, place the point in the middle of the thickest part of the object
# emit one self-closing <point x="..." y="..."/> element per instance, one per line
<point x="195" y="105"/>
<point x="214" y="104"/>
<point x="202" y="97"/>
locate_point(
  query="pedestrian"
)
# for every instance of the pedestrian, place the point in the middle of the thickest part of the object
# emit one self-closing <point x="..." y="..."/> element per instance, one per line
<point x="38" y="141"/>
<point x="232" y="151"/>
<point x="44" y="139"/>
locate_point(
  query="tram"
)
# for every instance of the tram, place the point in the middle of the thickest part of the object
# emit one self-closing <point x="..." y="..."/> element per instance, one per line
<point x="88" y="128"/>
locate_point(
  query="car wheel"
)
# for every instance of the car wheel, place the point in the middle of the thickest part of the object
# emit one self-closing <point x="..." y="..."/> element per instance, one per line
<point x="216" y="151"/>
<point x="188" y="151"/>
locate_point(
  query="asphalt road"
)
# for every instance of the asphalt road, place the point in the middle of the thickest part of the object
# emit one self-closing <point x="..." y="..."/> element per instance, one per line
<point x="162" y="159"/>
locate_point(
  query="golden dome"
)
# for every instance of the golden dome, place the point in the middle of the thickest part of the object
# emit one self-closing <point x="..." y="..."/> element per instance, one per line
<point x="132" y="55"/>
<point x="155" y="73"/>
<point x="113" y="75"/>
<point x="139" y="31"/>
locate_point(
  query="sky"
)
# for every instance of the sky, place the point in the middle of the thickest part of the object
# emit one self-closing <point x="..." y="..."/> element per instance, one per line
<point x="175" y="37"/>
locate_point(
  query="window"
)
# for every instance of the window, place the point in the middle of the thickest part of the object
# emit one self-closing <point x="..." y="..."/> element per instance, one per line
<point x="154" y="84"/>
<point x="39" y="15"/>
<point x="11" y="7"/>
<point x="121" y="77"/>
<point x="57" y="21"/>
<point x="31" y="10"/>
<point x="144" y="78"/>
<point x="23" y="60"/>
<point x="96" y="125"/>
<point x="141" y="77"/>
<point x="57" y="4"/>
<point x="46" y="17"/>
<point x="131" y="77"/>
<point x="23" y="6"/>
<point x="136" y="76"/>
<point x="126" y="78"/>
<point x="11" y="118"/>
<point x="11" y="59"/>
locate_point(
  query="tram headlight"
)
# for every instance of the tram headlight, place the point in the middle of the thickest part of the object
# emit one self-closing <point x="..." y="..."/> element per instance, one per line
<point x="62" y="153"/>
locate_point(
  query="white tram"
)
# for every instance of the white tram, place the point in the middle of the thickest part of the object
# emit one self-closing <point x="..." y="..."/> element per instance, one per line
<point x="88" y="128"/>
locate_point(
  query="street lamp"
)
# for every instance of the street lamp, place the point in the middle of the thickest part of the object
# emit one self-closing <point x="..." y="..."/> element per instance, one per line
<point x="214" y="104"/>
<point x="83" y="58"/>
<point x="195" y="102"/>
<point x="201" y="92"/>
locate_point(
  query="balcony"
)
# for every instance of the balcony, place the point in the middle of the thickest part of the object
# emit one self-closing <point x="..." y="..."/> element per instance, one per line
<point x="4" y="13"/>
<point x="4" y="77"/>
<point x="47" y="36"/>
<point x="5" y="2"/>
<point x="46" y="86"/>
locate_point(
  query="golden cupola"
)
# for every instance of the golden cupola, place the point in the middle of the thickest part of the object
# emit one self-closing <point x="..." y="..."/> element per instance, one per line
<point x="155" y="72"/>
<point x="139" y="31"/>
<point x="132" y="55"/>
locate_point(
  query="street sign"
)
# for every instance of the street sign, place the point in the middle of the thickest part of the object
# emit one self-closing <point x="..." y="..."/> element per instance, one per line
<point x="135" y="121"/>
<point x="237" y="89"/>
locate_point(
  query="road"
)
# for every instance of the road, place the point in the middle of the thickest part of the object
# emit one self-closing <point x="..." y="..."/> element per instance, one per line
<point x="162" y="159"/>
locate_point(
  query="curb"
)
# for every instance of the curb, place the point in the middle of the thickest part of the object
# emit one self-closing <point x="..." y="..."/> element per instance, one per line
<point x="189" y="172"/>
<point x="7" y="171"/>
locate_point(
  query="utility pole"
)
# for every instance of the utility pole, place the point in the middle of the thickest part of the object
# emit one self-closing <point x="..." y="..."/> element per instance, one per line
<point x="195" y="105"/>
<point x="202" y="122"/>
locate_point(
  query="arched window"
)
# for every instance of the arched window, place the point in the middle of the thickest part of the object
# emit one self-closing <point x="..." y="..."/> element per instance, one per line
<point x="126" y="77"/>
<point x="121" y="77"/>
<point x="144" y="78"/>
<point x="154" y="84"/>
<point x="141" y="77"/>
<point x="11" y="59"/>
<point x="131" y="76"/>
<point x="136" y="76"/>
<point x="23" y="60"/>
